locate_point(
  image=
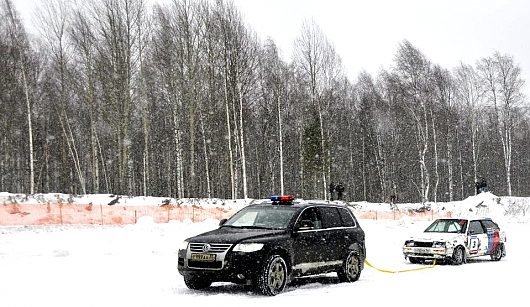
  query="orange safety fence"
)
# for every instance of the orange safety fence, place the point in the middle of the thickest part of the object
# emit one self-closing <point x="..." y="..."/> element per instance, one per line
<point x="60" y="213"/>
<point x="47" y="214"/>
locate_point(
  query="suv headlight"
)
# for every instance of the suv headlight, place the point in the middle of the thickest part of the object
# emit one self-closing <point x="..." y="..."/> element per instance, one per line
<point x="438" y="244"/>
<point x="183" y="245"/>
<point x="248" y="247"/>
<point x="409" y="243"/>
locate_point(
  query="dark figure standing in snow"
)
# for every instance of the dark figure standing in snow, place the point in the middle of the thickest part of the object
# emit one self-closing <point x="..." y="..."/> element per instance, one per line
<point x="331" y="191"/>
<point x="481" y="185"/>
<point x="340" y="190"/>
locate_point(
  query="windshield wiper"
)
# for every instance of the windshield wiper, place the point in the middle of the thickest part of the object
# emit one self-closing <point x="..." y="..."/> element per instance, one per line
<point x="255" y="227"/>
<point x="252" y="227"/>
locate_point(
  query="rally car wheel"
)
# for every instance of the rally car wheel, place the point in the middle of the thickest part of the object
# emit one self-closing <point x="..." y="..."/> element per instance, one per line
<point x="497" y="253"/>
<point x="458" y="256"/>
<point x="196" y="283"/>
<point x="273" y="276"/>
<point x="351" y="268"/>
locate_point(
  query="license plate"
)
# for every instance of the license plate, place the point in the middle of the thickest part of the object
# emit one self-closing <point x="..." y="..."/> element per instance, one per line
<point x="203" y="257"/>
<point x="422" y="251"/>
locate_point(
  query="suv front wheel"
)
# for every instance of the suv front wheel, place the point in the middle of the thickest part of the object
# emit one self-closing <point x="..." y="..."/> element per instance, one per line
<point x="196" y="283"/>
<point x="273" y="276"/>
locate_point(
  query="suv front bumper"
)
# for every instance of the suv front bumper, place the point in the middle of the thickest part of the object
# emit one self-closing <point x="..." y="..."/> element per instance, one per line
<point x="236" y="267"/>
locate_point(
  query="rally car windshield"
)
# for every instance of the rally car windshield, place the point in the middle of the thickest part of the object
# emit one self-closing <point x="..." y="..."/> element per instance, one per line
<point x="448" y="225"/>
<point x="273" y="217"/>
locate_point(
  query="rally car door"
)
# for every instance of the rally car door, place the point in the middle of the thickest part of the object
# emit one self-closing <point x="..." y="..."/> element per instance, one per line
<point x="477" y="239"/>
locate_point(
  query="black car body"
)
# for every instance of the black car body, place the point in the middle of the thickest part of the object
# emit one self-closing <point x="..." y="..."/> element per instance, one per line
<point x="269" y="243"/>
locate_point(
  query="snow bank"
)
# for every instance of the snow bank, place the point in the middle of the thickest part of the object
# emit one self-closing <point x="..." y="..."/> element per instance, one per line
<point x="486" y="204"/>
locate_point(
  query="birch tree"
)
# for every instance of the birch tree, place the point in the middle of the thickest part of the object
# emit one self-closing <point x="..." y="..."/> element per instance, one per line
<point x="19" y="41"/>
<point x="83" y="40"/>
<point x="414" y="72"/>
<point x="52" y="21"/>
<point x="310" y="58"/>
<point x="469" y="94"/>
<point x="444" y="91"/>
<point x="117" y="28"/>
<point x="504" y="94"/>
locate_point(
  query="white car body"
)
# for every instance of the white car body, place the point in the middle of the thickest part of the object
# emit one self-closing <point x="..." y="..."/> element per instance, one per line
<point x="455" y="240"/>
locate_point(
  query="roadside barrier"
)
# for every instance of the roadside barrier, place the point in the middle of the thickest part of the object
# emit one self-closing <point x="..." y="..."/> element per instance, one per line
<point x="401" y="271"/>
<point x="102" y="214"/>
<point x="52" y="214"/>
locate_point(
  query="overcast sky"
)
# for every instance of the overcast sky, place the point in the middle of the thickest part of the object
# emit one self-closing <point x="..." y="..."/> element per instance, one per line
<point x="366" y="33"/>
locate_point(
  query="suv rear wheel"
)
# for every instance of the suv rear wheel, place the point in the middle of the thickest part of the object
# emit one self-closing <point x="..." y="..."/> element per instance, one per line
<point x="273" y="276"/>
<point x="351" y="268"/>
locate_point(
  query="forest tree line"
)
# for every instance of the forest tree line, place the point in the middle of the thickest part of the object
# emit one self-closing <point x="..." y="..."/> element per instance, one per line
<point x="185" y="100"/>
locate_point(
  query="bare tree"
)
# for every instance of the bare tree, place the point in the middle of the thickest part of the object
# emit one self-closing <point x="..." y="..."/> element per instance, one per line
<point x="444" y="89"/>
<point x="310" y="56"/>
<point x="504" y="94"/>
<point x="470" y="93"/>
<point x="19" y="40"/>
<point x="117" y="29"/>
<point x="414" y="72"/>
<point x="52" y="21"/>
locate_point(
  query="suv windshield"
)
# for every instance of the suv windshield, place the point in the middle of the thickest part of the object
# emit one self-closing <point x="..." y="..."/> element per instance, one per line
<point x="273" y="217"/>
<point x="449" y="225"/>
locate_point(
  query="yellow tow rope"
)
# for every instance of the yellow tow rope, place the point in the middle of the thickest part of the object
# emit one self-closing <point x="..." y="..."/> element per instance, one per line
<point x="401" y="271"/>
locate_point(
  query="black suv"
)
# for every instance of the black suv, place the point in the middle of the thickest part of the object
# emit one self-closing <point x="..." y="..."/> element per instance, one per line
<point x="266" y="244"/>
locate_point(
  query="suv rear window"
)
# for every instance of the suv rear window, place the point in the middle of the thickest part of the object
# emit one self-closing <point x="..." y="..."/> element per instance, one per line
<point x="347" y="218"/>
<point x="331" y="217"/>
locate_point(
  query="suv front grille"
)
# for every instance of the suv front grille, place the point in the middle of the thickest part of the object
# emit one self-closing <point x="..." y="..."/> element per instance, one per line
<point x="213" y="247"/>
<point x="216" y="250"/>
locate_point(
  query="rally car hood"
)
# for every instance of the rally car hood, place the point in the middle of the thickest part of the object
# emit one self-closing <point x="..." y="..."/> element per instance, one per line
<point x="436" y="236"/>
<point x="232" y="235"/>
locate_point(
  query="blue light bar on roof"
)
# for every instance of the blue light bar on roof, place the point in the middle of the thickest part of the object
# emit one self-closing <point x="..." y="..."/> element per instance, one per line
<point x="282" y="198"/>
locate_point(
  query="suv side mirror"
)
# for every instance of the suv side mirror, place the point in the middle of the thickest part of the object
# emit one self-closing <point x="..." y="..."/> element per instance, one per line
<point x="222" y="222"/>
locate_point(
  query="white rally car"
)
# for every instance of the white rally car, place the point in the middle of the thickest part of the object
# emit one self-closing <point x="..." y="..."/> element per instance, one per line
<point x="454" y="240"/>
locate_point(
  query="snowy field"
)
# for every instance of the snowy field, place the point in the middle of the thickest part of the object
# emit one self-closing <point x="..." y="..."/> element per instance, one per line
<point x="136" y="265"/>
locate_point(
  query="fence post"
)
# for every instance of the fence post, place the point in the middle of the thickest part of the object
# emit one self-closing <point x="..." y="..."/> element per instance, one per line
<point x="61" y="212"/>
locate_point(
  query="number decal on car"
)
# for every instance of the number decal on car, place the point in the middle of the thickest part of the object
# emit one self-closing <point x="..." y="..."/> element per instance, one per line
<point x="473" y="245"/>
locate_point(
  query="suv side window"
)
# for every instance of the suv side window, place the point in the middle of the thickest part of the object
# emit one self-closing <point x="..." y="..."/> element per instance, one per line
<point x="347" y="218"/>
<point x="330" y="217"/>
<point x="310" y="218"/>
<point x="475" y="228"/>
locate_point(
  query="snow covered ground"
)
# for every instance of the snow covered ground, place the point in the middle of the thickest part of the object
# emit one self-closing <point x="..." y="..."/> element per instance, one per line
<point x="136" y="265"/>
